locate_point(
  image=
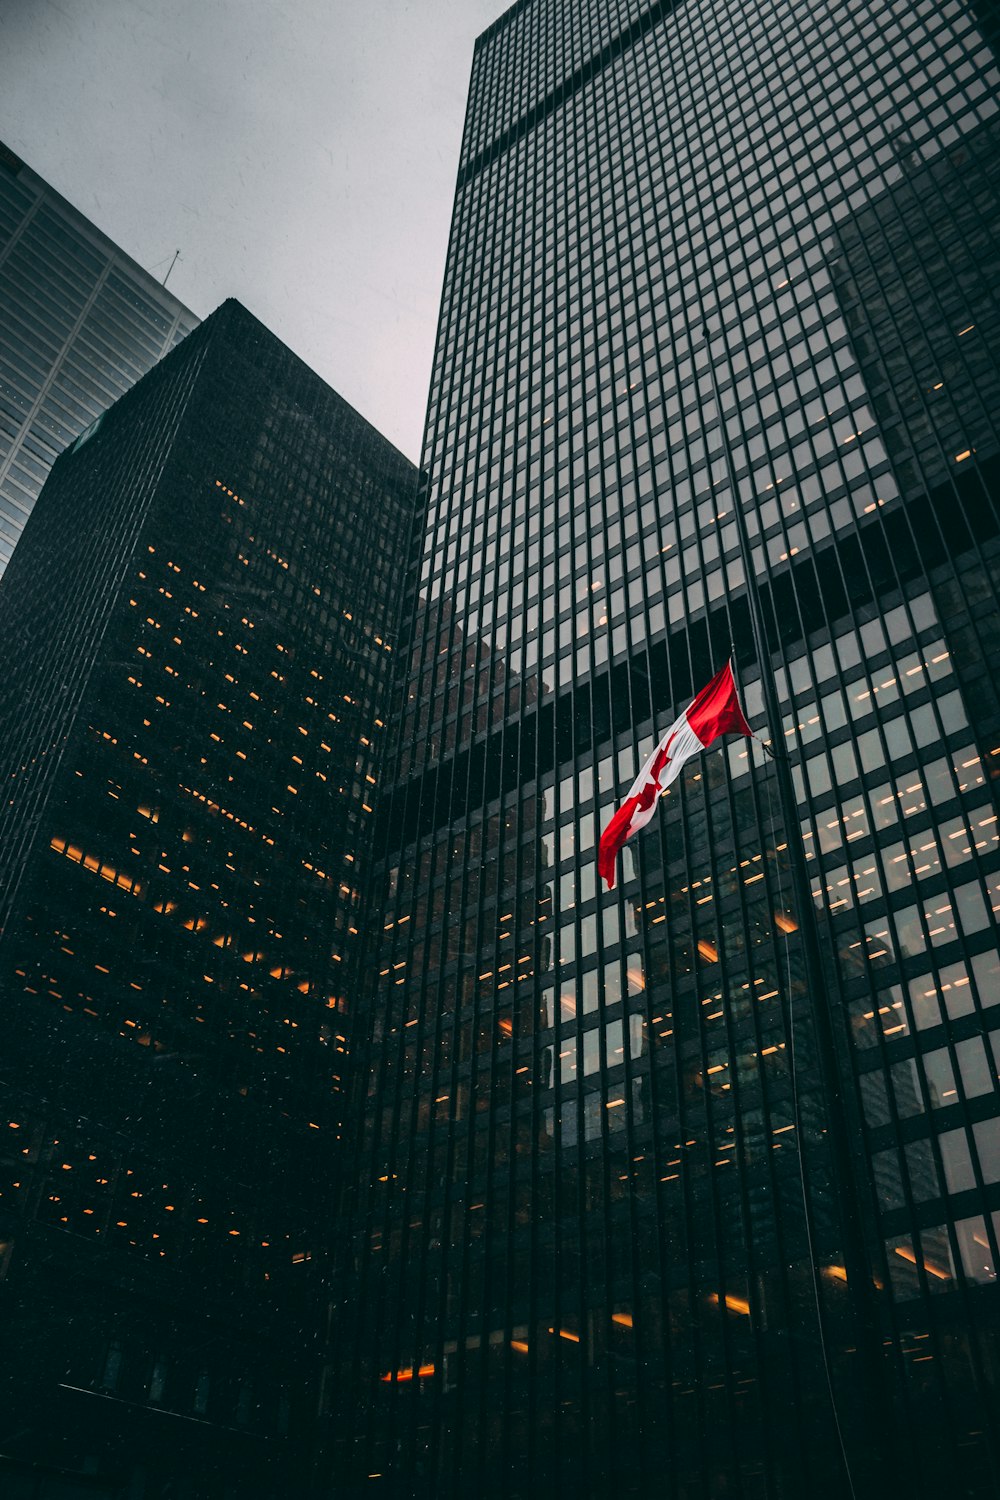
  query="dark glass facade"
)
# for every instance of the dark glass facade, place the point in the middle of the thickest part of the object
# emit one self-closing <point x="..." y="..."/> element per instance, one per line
<point x="198" y="629"/>
<point x="81" y="323"/>
<point x="704" y="255"/>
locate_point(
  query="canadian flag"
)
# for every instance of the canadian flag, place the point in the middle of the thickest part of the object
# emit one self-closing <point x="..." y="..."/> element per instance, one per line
<point x="716" y="710"/>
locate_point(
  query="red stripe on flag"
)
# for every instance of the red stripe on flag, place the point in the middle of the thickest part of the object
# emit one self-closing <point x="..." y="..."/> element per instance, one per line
<point x="613" y="840"/>
<point x="716" y="710"/>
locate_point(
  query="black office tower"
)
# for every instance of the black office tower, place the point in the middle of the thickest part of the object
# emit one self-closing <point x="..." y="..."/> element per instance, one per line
<point x="197" y="630"/>
<point x="646" y="1205"/>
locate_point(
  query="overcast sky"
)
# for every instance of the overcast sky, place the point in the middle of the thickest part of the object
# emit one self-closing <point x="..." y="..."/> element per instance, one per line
<point x="301" y="154"/>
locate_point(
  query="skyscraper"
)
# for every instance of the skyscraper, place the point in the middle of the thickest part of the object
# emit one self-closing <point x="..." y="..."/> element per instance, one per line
<point x="642" y="1206"/>
<point x="81" y="323"/>
<point x="198" y="629"/>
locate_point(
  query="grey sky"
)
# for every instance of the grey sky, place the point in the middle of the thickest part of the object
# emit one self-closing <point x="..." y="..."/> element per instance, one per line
<point x="300" y="153"/>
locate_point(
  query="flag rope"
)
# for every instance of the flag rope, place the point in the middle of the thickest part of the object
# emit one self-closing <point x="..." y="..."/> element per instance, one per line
<point x="848" y="1189"/>
<point x="807" y="1214"/>
<point x="765" y="744"/>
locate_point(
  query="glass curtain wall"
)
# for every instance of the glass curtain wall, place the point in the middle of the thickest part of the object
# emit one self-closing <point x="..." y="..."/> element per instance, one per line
<point x="82" y="322"/>
<point x="703" y="256"/>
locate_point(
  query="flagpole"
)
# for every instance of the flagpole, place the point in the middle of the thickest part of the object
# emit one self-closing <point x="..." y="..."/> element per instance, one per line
<point x="857" y="1262"/>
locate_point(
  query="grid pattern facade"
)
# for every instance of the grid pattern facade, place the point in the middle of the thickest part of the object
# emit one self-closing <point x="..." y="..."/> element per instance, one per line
<point x="82" y="322"/>
<point x="190" y="733"/>
<point x="703" y="255"/>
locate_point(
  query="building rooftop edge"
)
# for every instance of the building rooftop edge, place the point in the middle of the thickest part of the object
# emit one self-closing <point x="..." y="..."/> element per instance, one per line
<point x="8" y="156"/>
<point x="232" y="311"/>
<point x="501" y="21"/>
